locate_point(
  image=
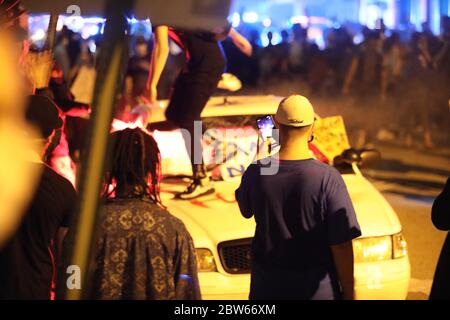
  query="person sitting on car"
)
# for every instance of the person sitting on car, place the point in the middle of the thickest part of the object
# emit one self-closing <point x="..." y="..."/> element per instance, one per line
<point x="143" y="252"/>
<point x="305" y="220"/>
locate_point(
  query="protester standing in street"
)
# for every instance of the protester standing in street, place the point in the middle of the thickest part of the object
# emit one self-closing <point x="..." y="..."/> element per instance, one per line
<point x="28" y="259"/>
<point x="143" y="252"/>
<point x="440" y="215"/>
<point x="305" y="221"/>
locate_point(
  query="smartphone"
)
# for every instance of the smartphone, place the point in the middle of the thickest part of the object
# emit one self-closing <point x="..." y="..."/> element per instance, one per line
<point x="265" y="125"/>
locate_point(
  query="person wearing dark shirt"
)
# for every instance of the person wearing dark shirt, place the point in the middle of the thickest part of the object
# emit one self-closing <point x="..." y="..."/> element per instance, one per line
<point x="143" y="252"/>
<point x="193" y="88"/>
<point x="28" y="259"/>
<point x="440" y="215"/>
<point x="305" y="220"/>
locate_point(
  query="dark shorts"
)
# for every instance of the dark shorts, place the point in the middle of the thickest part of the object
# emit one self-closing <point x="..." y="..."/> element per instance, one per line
<point x="290" y="284"/>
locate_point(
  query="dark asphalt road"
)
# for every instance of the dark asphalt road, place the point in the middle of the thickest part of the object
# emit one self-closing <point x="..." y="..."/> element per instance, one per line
<point x="410" y="179"/>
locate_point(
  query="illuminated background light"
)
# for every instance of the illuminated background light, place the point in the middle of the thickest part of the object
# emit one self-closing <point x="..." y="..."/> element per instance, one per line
<point x="39" y="35"/>
<point x="276" y="38"/>
<point x="250" y="17"/>
<point x="303" y="20"/>
<point x="235" y="20"/>
<point x="267" y="22"/>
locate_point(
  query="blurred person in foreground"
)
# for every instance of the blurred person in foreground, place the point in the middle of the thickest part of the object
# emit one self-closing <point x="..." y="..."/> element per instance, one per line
<point x="28" y="259"/>
<point x="36" y="70"/>
<point x="440" y="215"/>
<point x="13" y="13"/>
<point x="16" y="172"/>
<point x="305" y="221"/>
<point x="143" y="252"/>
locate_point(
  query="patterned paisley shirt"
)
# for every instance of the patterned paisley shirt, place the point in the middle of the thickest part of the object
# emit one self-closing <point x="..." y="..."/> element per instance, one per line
<point x="143" y="252"/>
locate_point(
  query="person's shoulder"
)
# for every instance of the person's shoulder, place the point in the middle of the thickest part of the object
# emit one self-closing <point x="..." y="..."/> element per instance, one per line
<point x="327" y="172"/>
<point x="173" y="222"/>
<point x="322" y="167"/>
<point x="332" y="177"/>
<point x="162" y="213"/>
<point x="58" y="180"/>
<point x="253" y="168"/>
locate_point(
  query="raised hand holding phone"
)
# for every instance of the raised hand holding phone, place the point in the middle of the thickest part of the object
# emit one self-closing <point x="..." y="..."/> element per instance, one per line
<point x="266" y="141"/>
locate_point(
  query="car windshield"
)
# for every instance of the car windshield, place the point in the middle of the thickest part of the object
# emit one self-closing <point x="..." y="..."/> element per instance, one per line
<point x="249" y="121"/>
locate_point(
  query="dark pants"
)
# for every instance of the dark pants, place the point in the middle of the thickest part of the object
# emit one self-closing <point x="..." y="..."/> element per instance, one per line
<point x="190" y="96"/>
<point x="441" y="283"/>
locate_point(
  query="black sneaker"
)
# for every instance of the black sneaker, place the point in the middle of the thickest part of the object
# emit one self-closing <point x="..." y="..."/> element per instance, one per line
<point x="198" y="188"/>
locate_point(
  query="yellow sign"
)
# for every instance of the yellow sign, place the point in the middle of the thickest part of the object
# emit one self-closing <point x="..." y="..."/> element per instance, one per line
<point x="330" y="136"/>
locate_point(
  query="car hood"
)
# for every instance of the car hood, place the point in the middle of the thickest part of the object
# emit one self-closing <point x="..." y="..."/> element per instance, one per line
<point x="216" y="218"/>
<point x="375" y="215"/>
<point x="211" y="219"/>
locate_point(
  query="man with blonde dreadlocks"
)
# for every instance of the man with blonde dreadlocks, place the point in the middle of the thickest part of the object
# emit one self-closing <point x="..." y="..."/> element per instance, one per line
<point x="143" y="252"/>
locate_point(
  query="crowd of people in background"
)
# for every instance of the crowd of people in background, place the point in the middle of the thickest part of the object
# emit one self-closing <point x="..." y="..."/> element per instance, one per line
<point x="387" y="72"/>
<point x="381" y="71"/>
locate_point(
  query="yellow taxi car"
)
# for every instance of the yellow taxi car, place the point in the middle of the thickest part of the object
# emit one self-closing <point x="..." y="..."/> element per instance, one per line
<point x="223" y="237"/>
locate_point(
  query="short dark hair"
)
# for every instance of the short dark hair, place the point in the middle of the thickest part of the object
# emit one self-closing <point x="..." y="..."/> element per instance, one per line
<point x="42" y="112"/>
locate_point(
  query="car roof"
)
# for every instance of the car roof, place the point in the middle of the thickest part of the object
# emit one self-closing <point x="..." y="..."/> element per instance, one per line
<point x="227" y="106"/>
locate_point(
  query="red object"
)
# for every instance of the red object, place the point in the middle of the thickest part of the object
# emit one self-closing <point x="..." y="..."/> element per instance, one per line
<point x="53" y="285"/>
<point x="319" y="155"/>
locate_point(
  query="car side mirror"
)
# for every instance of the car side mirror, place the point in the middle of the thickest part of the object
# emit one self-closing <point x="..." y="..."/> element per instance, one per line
<point x="363" y="158"/>
<point x="369" y="157"/>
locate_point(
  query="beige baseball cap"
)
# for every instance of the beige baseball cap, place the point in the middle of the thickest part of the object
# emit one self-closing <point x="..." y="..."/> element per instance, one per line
<point x="295" y="111"/>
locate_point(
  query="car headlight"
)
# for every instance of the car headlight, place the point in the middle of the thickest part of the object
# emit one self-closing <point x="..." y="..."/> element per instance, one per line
<point x="400" y="247"/>
<point x="205" y="260"/>
<point x="372" y="249"/>
<point x="380" y="248"/>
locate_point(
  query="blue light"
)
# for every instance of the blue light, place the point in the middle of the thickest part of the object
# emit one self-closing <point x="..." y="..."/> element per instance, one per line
<point x="92" y="46"/>
<point x="303" y="20"/>
<point x="358" y="39"/>
<point x="235" y="19"/>
<point x="250" y="17"/>
<point x="185" y="277"/>
<point x="94" y="30"/>
<point x="267" y="22"/>
<point x="320" y="41"/>
<point x="264" y="40"/>
<point x="132" y="20"/>
<point x="276" y="38"/>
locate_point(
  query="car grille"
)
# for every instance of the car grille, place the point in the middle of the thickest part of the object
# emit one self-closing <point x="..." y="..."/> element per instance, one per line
<point x="236" y="256"/>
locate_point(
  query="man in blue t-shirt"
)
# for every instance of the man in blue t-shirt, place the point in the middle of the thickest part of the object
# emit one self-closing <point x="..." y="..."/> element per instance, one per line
<point x="305" y="221"/>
